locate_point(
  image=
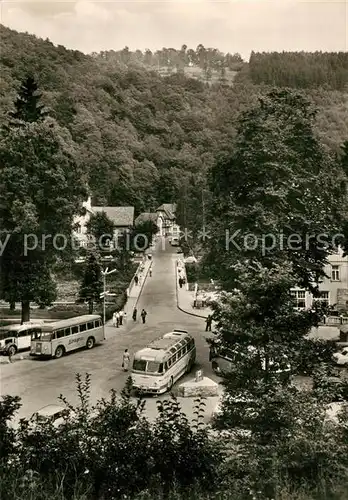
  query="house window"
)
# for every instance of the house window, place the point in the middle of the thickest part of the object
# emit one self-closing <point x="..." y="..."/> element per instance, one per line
<point x="323" y="298"/>
<point x="300" y="298"/>
<point x="335" y="273"/>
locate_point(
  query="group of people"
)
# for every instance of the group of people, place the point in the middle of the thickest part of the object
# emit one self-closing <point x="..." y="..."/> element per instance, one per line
<point x="117" y="318"/>
<point x="143" y="314"/>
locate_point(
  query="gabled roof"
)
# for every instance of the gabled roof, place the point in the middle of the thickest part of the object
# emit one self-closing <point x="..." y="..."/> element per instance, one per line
<point x="146" y="216"/>
<point x="120" y="216"/>
<point x="169" y="209"/>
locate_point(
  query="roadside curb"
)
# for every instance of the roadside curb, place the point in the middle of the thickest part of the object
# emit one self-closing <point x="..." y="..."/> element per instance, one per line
<point x="177" y="296"/>
<point x="142" y="284"/>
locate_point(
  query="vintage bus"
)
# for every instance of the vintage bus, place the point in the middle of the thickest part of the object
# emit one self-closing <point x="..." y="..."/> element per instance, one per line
<point x="67" y="335"/>
<point x="14" y="338"/>
<point x="159" y="365"/>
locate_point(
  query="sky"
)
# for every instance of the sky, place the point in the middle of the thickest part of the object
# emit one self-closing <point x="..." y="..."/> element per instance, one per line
<point x="231" y="26"/>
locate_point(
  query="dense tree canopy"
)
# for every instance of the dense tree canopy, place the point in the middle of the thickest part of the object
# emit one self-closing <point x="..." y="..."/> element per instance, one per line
<point x="144" y="139"/>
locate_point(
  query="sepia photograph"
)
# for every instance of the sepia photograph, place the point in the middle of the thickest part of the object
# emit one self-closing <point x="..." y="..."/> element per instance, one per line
<point x="173" y="250"/>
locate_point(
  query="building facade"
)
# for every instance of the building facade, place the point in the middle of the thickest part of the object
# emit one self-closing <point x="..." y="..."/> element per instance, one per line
<point x="121" y="217"/>
<point x="333" y="288"/>
<point x="166" y="218"/>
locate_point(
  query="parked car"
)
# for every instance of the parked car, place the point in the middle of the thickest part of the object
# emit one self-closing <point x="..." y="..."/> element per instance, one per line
<point x="53" y="413"/>
<point x="341" y="358"/>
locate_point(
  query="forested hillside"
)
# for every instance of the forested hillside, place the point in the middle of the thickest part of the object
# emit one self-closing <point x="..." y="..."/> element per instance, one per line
<point x="300" y="70"/>
<point x="143" y="138"/>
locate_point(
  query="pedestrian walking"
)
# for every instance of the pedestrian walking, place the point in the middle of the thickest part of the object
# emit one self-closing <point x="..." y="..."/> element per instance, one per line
<point x="150" y="272"/>
<point x="9" y="354"/>
<point x="208" y="321"/>
<point x="143" y="315"/>
<point x="125" y="360"/>
<point x="134" y="315"/>
<point x="136" y="280"/>
<point x="114" y="319"/>
<point x="117" y="319"/>
<point x="121" y="313"/>
<point x="180" y="282"/>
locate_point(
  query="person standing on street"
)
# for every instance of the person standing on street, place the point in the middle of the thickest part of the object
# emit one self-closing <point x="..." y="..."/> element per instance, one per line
<point x="180" y="282"/>
<point x="136" y="280"/>
<point x="117" y="319"/>
<point x="143" y="315"/>
<point x="150" y="272"/>
<point x="134" y="315"/>
<point x="9" y="354"/>
<point x="125" y="360"/>
<point x="208" y="321"/>
<point x="114" y="319"/>
<point x="121" y="313"/>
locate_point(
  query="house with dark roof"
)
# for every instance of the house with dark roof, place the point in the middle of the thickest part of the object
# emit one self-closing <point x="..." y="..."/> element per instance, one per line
<point x="121" y="217"/>
<point x="166" y="218"/>
<point x="145" y="217"/>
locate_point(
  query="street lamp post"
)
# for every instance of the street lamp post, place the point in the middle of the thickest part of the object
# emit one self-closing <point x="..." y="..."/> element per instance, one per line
<point x="105" y="293"/>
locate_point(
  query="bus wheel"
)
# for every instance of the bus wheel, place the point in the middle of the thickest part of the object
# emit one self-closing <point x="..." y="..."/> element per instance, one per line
<point x="170" y="384"/>
<point x="90" y="343"/>
<point x="12" y="350"/>
<point x="59" y="352"/>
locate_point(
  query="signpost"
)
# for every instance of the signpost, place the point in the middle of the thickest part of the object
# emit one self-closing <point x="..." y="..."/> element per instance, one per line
<point x="105" y="292"/>
<point x="199" y="375"/>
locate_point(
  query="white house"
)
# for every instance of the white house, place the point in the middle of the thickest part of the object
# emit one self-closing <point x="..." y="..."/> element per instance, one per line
<point x="122" y="218"/>
<point x="334" y="289"/>
<point x="80" y="223"/>
<point x="166" y="218"/>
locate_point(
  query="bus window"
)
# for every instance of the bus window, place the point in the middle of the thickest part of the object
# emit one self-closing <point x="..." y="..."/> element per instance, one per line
<point x="154" y="367"/>
<point x="83" y="327"/>
<point x="67" y="332"/>
<point x="174" y="358"/>
<point x="139" y="365"/>
<point x="59" y="334"/>
<point x="184" y="350"/>
<point x="169" y="362"/>
<point x="74" y="329"/>
<point x="23" y="333"/>
<point x="97" y="323"/>
<point x="90" y="325"/>
<point x="165" y="366"/>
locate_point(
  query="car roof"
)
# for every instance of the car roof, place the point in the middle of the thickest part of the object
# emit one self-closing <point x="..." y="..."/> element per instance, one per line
<point x="50" y="410"/>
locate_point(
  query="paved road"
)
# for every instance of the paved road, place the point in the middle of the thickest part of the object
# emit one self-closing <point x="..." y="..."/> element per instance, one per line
<point x="40" y="382"/>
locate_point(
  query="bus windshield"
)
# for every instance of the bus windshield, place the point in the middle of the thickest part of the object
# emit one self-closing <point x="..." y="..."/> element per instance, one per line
<point x="139" y="365"/>
<point x="154" y="367"/>
<point x="142" y="365"/>
<point x="43" y="336"/>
